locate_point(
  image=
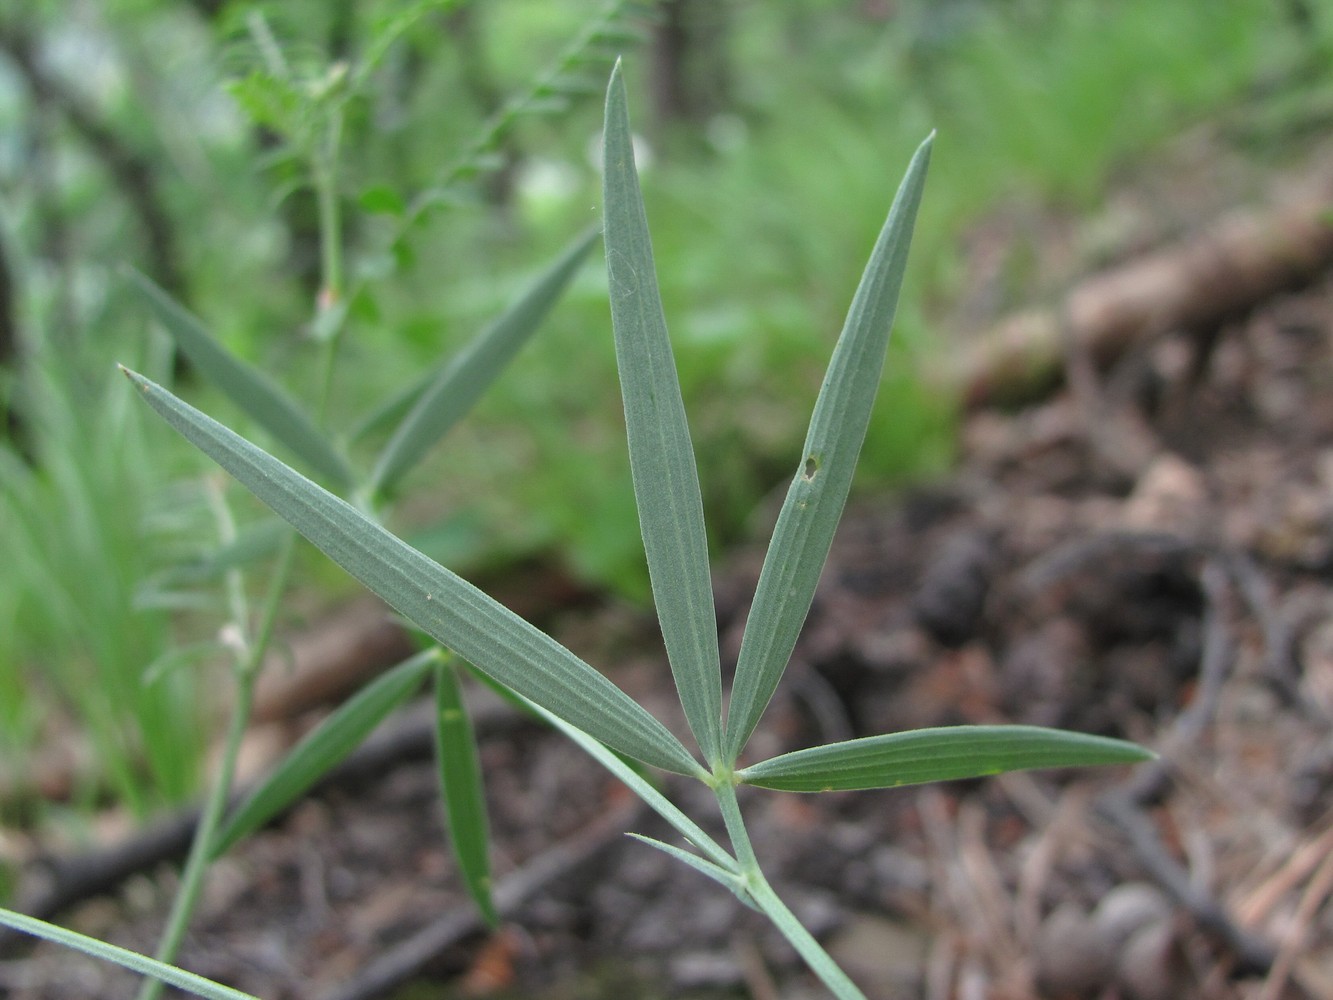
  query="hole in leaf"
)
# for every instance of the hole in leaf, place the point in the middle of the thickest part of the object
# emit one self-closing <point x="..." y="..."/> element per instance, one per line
<point x="811" y="467"/>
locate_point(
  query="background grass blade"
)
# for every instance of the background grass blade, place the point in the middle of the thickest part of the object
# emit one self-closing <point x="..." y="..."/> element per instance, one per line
<point x="321" y="749"/>
<point x="814" y="502"/>
<point x="248" y="388"/>
<point x="453" y="612"/>
<point x="922" y="755"/>
<point x="460" y="785"/>
<point x="666" y="482"/>
<point x="132" y="960"/>
<point x="461" y="382"/>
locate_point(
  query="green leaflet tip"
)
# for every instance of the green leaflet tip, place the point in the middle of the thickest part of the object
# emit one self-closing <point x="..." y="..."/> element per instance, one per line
<point x="615" y="85"/>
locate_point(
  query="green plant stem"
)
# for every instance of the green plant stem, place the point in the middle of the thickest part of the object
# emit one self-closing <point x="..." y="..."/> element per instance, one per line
<point x="250" y="659"/>
<point x="331" y="308"/>
<point x="725" y="790"/>
<point x="759" y="890"/>
<point x="192" y="878"/>
<point x="234" y="583"/>
<point x="282" y="572"/>
<point x="324" y="169"/>
<point x="819" y="961"/>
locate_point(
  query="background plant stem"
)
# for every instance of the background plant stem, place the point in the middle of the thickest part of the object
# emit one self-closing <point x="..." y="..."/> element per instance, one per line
<point x="250" y="660"/>
<point x="252" y="649"/>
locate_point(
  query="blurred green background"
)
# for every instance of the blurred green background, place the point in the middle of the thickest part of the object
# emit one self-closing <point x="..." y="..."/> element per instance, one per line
<point x="172" y="136"/>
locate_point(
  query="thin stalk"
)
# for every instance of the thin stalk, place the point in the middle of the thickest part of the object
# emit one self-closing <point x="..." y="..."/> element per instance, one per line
<point x="192" y="878"/>
<point x="268" y="615"/>
<point x="757" y="887"/>
<point x="268" y="46"/>
<point x="249" y="661"/>
<point x="325" y="175"/>
<point x="233" y="581"/>
<point x="819" y="961"/>
<point x="251" y="649"/>
<point x="725" y="790"/>
<point x="331" y="309"/>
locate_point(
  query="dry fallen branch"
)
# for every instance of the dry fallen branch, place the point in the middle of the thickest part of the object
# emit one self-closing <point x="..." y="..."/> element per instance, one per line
<point x="1252" y="955"/>
<point x="1151" y="781"/>
<point x="403" y="961"/>
<point x="331" y="660"/>
<point x="1242" y="259"/>
<point x="54" y="884"/>
<point x="1316" y="893"/>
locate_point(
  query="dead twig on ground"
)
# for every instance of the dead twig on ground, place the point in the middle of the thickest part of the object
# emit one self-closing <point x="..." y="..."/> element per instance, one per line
<point x="1215" y="662"/>
<point x="1316" y="892"/>
<point x="1253" y="956"/>
<point x="1240" y="260"/>
<point x="400" y="963"/>
<point x="55" y="884"/>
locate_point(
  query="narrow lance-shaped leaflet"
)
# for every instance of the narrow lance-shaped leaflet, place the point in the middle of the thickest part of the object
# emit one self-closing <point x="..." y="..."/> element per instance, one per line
<point x="446" y="607"/>
<point x="461" y="382"/>
<point x="815" y="500"/>
<point x="323" y="748"/>
<point x="666" y="481"/>
<point x="941" y="754"/>
<point x="248" y="388"/>
<point x="460" y="784"/>
<point x="132" y="960"/>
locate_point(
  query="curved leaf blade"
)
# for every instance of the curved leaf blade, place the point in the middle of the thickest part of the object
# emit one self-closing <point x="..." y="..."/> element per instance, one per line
<point x="251" y="390"/>
<point x="393" y="409"/>
<point x="622" y="769"/>
<point x="463" y="380"/>
<point x="942" y="754"/>
<point x="461" y="788"/>
<point x="637" y="784"/>
<point x="324" y="747"/>
<point x="814" y="502"/>
<point x="449" y="609"/>
<point x="131" y="960"/>
<point x="731" y="879"/>
<point x="666" y="481"/>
